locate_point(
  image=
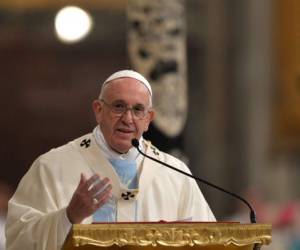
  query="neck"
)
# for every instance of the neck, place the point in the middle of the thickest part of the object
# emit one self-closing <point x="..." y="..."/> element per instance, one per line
<point x="111" y="152"/>
<point x="117" y="151"/>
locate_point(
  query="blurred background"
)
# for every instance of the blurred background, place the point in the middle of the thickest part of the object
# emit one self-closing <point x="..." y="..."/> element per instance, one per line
<point x="229" y="69"/>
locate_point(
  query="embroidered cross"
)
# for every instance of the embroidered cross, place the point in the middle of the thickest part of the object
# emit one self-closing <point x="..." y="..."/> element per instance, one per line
<point x="154" y="150"/>
<point x="128" y="195"/>
<point x="85" y="143"/>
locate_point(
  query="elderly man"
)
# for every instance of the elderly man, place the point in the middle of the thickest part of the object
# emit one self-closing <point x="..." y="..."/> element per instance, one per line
<point x="100" y="177"/>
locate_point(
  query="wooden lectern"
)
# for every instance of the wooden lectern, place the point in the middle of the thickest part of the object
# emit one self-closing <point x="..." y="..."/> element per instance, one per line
<point x="131" y="236"/>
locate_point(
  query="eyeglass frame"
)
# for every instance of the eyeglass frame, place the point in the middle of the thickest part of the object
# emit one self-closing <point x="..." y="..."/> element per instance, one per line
<point x="131" y="109"/>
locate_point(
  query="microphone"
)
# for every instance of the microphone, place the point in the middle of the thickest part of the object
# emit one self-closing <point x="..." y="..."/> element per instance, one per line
<point x="136" y="143"/>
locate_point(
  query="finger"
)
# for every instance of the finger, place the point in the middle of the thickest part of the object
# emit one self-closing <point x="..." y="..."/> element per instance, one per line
<point x="99" y="187"/>
<point x="91" y="180"/>
<point x="82" y="178"/>
<point x="103" y="200"/>
<point x="81" y="181"/>
<point x="106" y="191"/>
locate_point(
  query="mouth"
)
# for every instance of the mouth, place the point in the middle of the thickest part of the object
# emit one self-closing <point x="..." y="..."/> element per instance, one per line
<point x="125" y="130"/>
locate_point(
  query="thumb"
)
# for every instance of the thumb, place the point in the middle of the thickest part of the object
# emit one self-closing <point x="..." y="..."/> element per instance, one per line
<point x="82" y="180"/>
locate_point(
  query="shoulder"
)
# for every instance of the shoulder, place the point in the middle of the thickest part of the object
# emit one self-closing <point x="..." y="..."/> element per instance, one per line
<point x="71" y="146"/>
<point x="166" y="157"/>
<point x="66" y="152"/>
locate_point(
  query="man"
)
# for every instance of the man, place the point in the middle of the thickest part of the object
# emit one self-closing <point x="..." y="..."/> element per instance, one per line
<point x="116" y="183"/>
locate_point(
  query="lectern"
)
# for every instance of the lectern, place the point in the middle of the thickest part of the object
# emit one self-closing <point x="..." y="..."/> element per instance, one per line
<point x="160" y="236"/>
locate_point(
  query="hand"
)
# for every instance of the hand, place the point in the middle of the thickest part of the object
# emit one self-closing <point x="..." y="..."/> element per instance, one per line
<point x="87" y="198"/>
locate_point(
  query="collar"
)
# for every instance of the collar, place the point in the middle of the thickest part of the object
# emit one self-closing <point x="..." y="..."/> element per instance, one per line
<point x="132" y="154"/>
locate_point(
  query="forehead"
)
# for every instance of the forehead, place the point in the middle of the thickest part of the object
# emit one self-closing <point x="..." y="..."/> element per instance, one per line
<point x="127" y="89"/>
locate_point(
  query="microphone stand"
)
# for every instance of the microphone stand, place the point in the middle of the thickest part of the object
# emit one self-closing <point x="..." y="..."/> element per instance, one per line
<point x="135" y="143"/>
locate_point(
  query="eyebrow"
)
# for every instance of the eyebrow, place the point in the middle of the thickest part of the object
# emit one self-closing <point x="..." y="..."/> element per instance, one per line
<point x="122" y="101"/>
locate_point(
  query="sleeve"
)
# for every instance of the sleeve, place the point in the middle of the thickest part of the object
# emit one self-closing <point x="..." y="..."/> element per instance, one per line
<point x="36" y="220"/>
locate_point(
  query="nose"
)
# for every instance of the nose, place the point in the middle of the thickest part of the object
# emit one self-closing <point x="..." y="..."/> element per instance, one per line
<point x="127" y="116"/>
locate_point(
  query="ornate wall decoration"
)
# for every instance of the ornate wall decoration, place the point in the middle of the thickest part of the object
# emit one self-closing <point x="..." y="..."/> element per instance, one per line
<point x="157" y="49"/>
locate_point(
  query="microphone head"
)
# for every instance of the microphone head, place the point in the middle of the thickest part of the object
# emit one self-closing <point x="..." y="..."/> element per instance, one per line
<point x="135" y="142"/>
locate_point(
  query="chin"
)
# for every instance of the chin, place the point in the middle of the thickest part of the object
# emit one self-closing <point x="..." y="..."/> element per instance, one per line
<point x="123" y="147"/>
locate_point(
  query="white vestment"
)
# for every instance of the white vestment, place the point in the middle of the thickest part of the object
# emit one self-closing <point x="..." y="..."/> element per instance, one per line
<point x="37" y="211"/>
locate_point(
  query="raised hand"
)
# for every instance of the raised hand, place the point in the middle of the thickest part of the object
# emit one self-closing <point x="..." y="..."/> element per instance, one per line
<point x="89" y="196"/>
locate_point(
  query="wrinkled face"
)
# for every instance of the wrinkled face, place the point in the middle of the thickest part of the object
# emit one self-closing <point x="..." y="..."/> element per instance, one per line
<point x="119" y="129"/>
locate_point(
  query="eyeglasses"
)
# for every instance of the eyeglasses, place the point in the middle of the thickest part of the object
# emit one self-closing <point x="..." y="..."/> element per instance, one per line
<point x="139" y="111"/>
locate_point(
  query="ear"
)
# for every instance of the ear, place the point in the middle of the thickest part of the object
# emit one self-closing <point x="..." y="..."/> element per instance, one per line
<point x="97" y="108"/>
<point x="149" y="118"/>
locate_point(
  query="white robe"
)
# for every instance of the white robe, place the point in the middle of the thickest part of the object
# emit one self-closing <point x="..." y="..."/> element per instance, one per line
<point x="37" y="211"/>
